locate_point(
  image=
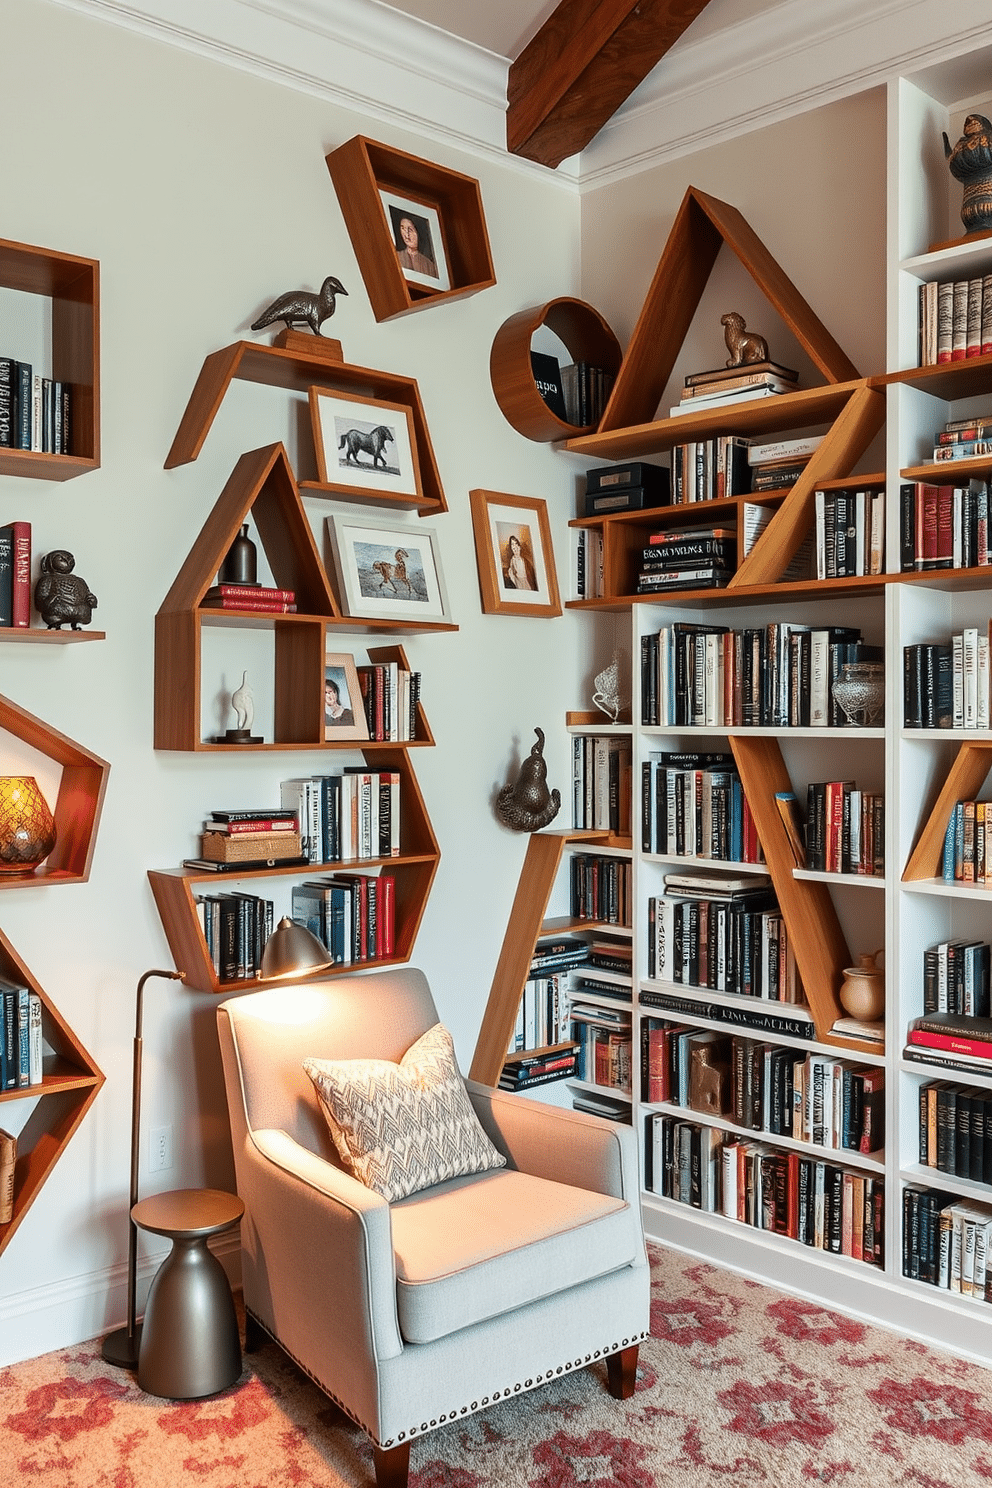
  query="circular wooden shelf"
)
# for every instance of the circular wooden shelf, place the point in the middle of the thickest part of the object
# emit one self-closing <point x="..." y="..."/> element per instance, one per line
<point x="588" y="339"/>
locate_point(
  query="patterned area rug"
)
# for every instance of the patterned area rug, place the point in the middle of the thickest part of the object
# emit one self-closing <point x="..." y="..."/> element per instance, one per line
<point x="739" y="1385"/>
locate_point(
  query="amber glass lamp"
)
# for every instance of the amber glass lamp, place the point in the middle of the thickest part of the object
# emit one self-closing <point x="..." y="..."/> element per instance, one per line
<point x="27" y="827"/>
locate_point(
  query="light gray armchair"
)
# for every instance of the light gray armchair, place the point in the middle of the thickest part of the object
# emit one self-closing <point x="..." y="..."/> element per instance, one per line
<point x="416" y="1313"/>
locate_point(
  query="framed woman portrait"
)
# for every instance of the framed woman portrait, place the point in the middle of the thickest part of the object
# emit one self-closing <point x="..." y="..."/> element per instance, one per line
<point x="344" y="711"/>
<point x="418" y="240"/>
<point x="514" y="554"/>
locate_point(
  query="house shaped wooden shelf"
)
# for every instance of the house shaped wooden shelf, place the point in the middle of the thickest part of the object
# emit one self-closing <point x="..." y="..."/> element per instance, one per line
<point x="299" y="362"/>
<point x="70" y="1085"/>
<point x="78" y="805"/>
<point x="73" y="286"/>
<point x="360" y="169"/>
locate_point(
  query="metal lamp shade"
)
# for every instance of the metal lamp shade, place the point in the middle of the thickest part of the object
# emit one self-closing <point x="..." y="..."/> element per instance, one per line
<point x="27" y="827"/>
<point x="291" y="950"/>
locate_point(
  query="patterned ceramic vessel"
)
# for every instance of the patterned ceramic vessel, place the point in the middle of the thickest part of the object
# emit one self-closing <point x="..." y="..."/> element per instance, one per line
<point x="27" y="828"/>
<point x="860" y="692"/>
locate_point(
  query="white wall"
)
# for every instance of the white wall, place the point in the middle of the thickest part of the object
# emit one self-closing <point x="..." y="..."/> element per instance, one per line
<point x="203" y="192"/>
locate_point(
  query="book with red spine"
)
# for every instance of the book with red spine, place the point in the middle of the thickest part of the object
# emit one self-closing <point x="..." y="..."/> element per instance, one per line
<point x="255" y="606"/>
<point x="278" y="823"/>
<point x="386" y="917"/>
<point x="21" y="593"/>
<point x="250" y="591"/>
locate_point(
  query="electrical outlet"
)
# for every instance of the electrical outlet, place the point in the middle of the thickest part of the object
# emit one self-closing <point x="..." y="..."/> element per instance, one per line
<point x="159" y="1148"/>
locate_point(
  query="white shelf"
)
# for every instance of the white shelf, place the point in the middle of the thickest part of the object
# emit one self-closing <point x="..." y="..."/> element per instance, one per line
<point x="942" y="890"/>
<point x="858" y="880"/>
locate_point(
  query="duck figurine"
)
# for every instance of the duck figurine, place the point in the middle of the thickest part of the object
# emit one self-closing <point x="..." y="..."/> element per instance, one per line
<point x="60" y="596"/>
<point x="527" y="805"/>
<point x="300" y="307"/>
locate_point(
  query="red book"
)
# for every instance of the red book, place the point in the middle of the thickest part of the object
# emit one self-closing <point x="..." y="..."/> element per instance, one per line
<point x="22" y="573"/>
<point x="945" y="523"/>
<point x="386" y="917"/>
<point x="256" y="606"/>
<point x="235" y="828"/>
<point x="250" y="591"/>
<point x="953" y="1043"/>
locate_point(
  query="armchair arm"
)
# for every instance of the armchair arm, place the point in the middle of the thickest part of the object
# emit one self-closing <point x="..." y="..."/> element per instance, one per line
<point x="323" y="1228"/>
<point x="563" y="1146"/>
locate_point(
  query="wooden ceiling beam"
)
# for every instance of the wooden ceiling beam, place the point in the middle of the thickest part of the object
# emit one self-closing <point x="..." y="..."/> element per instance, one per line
<point x="584" y="62"/>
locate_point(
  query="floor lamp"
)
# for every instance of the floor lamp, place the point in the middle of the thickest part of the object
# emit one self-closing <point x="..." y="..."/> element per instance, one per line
<point x="291" y="950"/>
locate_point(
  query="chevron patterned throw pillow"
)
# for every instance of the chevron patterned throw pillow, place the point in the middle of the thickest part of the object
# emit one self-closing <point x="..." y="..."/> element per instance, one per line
<point x="402" y="1127"/>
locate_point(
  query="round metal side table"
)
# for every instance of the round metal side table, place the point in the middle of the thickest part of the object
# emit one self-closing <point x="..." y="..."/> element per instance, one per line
<point x="190" y="1344"/>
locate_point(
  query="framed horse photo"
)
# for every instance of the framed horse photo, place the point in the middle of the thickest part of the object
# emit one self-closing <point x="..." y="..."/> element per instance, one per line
<point x="514" y="554"/>
<point x="365" y="447"/>
<point x="388" y="571"/>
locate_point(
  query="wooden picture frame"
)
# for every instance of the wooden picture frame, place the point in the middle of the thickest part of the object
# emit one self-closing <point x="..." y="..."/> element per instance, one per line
<point x="388" y="570"/>
<point x="416" y="232"/>
<point x="365" y="446"/>
<point x="515" y="554"/>
<point x="344" y="713"/>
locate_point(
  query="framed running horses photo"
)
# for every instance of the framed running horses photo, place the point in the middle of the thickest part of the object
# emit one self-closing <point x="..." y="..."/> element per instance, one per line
<point x="364" y="447"/>
<point x="514" y="554"/>
<point x="388" y="571"/>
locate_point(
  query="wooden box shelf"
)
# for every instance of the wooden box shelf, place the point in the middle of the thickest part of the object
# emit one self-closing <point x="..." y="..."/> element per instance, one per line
<point x="70" y="1085"/>
<point x="73" y="286"/>
<point x="360" y="169"/>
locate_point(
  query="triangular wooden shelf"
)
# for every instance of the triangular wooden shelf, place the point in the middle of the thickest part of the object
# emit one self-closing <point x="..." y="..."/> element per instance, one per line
<point x="701" y="227"/>
<point x="70" y="1085"/>
<point x="298" y="362"/>
<point x="77" y="808"/>
<point x="962" y="782"/>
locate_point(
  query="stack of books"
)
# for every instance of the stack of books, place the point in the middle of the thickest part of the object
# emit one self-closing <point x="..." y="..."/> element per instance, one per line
<point x="778" y="463"/>
<point x="540" y="1066"/>
<point x="251" y="597"/>
<point x="964" y="438"/>
<point x="687" y="558"/>
<point x="726" y="385"/>
<point x="251" y="838"/>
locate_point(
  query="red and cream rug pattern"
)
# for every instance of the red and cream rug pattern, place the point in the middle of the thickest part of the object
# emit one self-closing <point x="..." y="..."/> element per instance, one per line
<point x="739" y="1387"/>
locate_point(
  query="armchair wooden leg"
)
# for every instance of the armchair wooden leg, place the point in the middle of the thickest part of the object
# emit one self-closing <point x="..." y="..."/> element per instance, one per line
<point x="621" y="1372"/>
<point x="392" y="1465"/>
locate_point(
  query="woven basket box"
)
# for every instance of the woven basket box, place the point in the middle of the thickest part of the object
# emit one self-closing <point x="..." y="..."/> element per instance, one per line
<point x="218" y="847"/>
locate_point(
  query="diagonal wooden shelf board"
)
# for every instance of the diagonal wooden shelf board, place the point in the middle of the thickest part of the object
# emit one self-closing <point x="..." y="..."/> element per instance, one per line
<point x="703" y="224"/>
<point x="298" y="362"/>
<point x="961" y="783"/>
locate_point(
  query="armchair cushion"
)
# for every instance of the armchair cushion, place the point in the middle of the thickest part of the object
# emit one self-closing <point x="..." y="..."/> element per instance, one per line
<point x="481" y="1246"/>
<point x="399" y="1128"/>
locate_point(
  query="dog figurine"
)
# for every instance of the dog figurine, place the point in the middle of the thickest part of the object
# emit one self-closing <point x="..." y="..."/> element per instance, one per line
<point x="744" y="346"/>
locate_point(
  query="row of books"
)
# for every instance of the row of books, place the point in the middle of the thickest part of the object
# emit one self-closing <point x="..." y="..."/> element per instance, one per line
<point x="956" y="1130"/>
<point x="957" y="1034"/>
<point x="845" y="828"/>
<point x="946" y="684"/>
<point x="235" y="927"/>
<point x="261" y="598"/>
<point x="352" y="815"/>
<point x="693" y="805"/>
<point x="737" y="944"/>
<point x="20" y="1037"/>
<point x="727" y="465"/>
<point x="956" y="978"/>
<point x="819" y="1204"/>
<point x="849" y="528"/>
<point x="353" y="915"/>
<point x="945" y="1242"/>
<point x="965" y="854"/>
<point x="542" y="1013"/>
<point x="15" y="574"/>
<point x="585" y="389"/>
<point x="600" y="889"/>
<point x="778" y="675"/>
<point x="722" y="385"/>
<point x="955" y="320"/>
<point x="687" y="558"/>
<point x="601" y="772"/>
<point x="943" y="526"/>
<point x="390" y="694"/>
<point x="604" y="1043"/>
<point x="34" y="410"/>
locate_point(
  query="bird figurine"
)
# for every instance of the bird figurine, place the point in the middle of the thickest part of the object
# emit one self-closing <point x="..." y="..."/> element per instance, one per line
<point x="528" y="805"/>
<point x="62" y="597"/>
<point x="300" y="307"/>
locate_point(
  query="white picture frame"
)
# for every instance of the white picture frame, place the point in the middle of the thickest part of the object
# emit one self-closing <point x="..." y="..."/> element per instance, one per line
<point x="388" y="570"/>
<point x="364" y="445"/>
<point x="420" y="250"/>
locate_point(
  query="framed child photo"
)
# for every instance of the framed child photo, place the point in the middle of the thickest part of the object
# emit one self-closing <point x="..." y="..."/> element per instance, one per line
<point x="344" y="711"/>
<point x="418" y="240"/>
<point x="388" y="571"/>
<point x="514" y="553"/>
<point x="364" y="446"/>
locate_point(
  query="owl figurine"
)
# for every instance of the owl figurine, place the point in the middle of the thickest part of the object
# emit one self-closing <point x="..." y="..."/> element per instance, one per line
<point x="62" y="597"/>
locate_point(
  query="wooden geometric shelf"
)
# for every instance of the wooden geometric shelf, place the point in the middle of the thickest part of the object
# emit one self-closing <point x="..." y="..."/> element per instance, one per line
<point x="962" y="782"/>
<point x="701" y="227"/>
<point x="262" y="483"/>
<point x="298" y="362"/>
<point x="70" y="1085"/>
<point x="361" y="168"/>
<point x="73" y="286"/>
<point x="586" y="336"/>
<point x="77" y="809"/>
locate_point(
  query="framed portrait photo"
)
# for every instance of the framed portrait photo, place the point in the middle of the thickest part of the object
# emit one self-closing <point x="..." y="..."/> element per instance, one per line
<point x="364" y="445"/>
<point x="514" y="553"/>
<point x="344" y="713"/>
<point x="417" y="236"/>
<point x="388" y="571"/>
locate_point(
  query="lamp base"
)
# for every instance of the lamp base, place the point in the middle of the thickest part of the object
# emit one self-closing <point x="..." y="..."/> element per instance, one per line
<point x="121" y="1349"/>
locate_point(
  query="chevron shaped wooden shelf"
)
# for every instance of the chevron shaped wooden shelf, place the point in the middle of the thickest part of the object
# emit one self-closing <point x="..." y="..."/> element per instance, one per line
<point x="299" y="362"/>
<point x="70" y="1085"/>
